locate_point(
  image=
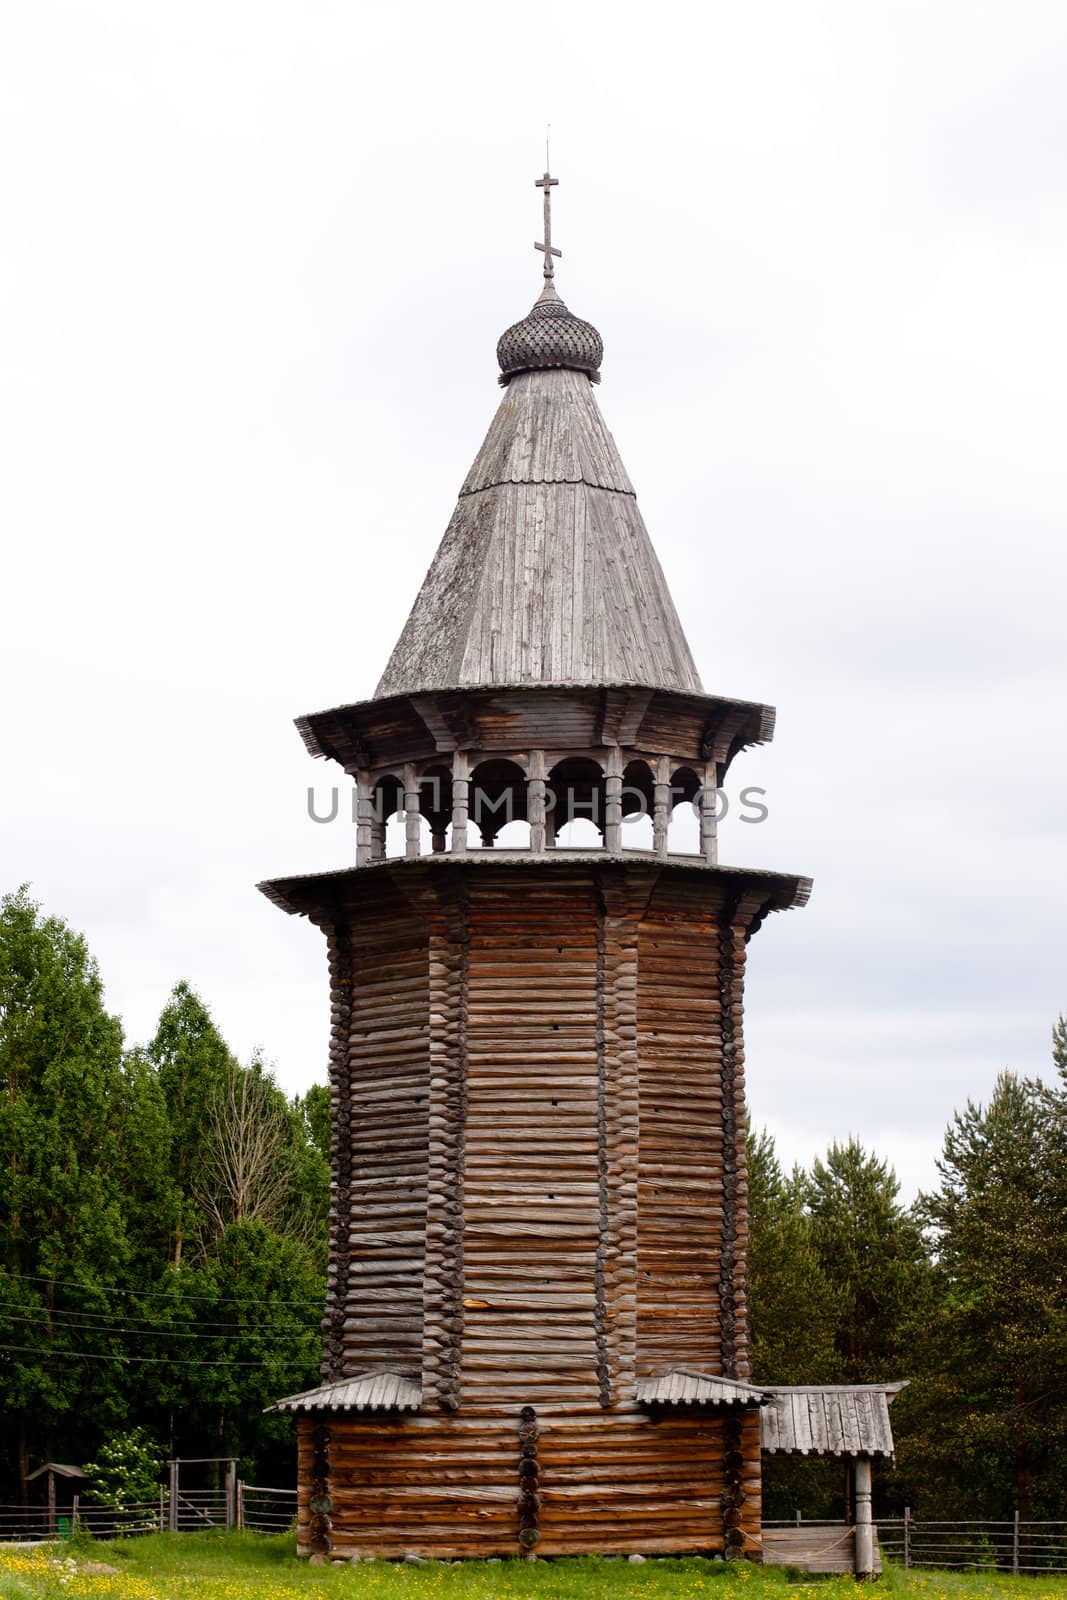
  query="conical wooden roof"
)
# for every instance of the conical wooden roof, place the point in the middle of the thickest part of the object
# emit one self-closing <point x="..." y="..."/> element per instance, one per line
<point x="546" y="573"/>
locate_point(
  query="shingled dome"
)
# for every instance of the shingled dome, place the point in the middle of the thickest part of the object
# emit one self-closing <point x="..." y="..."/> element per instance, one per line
<point x="551" y="336"/>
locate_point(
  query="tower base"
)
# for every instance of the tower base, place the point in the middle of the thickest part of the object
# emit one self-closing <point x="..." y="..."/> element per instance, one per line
<point x="551" y="1482"/>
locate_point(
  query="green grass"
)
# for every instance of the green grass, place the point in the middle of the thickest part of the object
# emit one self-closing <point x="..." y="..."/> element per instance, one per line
<point x="219" y="1566"/>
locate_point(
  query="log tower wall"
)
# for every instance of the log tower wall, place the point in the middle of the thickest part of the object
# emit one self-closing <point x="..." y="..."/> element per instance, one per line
<point x="540" y="1200"/>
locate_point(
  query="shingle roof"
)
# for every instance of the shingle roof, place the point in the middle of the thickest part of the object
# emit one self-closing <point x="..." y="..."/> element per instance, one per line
<point x="308" y="890"/>
<point x="368" y="1391"/>
<point x="845" y="1420"/>
<point x="681" y="1386"/>
<point x="546" y="573"/>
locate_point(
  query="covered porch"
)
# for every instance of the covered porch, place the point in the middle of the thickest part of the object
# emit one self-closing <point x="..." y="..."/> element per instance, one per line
<point x="850" y="1421"/>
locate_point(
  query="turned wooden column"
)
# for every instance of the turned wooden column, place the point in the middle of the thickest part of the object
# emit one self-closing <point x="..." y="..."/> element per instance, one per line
<point x="412" y="816"/>
<point x="364" y="818"/>
<point x="864" y="1526"/>
<point x="709" y="815"/>
<point x="613" y="802"/>
<point x="661" y="806"/>
<point x="460" y="801"/>
<point x="535" y="800"/>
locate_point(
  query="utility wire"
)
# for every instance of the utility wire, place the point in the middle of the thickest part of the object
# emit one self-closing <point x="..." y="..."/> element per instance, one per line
<point x="144" y="1294"/>
<point x="92" y="1355"/>
<point x="94" y="1320"/>
<point x="147" y="1333"/>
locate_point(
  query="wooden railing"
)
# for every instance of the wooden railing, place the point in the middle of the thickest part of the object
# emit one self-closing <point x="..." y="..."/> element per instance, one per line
<point x="1008" y="1545"/>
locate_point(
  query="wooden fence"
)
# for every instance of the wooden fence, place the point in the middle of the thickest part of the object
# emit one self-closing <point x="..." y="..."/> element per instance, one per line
<point x="259" y="1509"/>
<point x="1005" y="1546"/>
<point x="265" y="1510"/>
<point x="1010" y="1545"/>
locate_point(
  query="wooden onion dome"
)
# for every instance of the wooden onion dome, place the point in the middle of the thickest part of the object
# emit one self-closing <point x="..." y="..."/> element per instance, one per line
<point x="539" y="1204"/>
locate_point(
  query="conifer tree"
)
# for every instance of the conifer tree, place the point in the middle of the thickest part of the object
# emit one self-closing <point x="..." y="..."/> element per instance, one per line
<point x="793" y="1315"/>
<point x="793" y="1308"/>
<point x="991" y="1409"/>
<point x="871" y="1249"/>
<point x="192" y="1064"/>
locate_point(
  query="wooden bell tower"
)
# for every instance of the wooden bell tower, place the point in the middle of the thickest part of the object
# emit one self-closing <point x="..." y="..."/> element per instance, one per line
<point x="536" y="1335"/>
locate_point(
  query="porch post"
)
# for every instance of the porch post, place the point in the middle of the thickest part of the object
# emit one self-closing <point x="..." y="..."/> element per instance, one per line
<point x="864" y="1528"/>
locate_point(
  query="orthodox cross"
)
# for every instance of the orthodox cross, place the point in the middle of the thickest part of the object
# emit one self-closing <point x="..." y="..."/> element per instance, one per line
<point x="547" y="184"/>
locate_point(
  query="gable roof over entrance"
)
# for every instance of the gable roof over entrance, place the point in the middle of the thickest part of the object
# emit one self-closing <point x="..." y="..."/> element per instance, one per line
<point x="830" y="1419"/>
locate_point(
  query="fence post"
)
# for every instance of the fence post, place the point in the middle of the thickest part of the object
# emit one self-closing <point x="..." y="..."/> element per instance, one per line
<point x="231" y="1494"/>
<point x="907" y="1537"/>
<point x="798" y="1519"/>
<point x="172" y="1518"/>
<point x="240" y="1503"/>
<point x="75" y="1503"/>
<point x="1015" y="1547"/>
<point x="161" y="1517"/>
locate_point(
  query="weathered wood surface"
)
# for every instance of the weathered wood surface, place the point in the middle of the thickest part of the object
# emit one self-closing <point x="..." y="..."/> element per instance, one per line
<point x="826" y="1419"/>
<point x="371" y="1391"/>
<point x="380" y="1102"/>
<point x="465" y="1485"/>
<point x="692" y="1199"/>
<point x="532" y="1106"/>
<point x="546" y="573"/>
<point x="684" y="1386"/>
<point x="814" y="1548"/>
<point x="383" y="734"/>
<point x="531" y="1233"/>
<point x="530" y="1082"/>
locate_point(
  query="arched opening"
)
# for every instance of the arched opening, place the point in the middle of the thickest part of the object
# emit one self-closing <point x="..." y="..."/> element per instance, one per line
<point x="514" y="836"/>
<point x="435" y="804"/>
<point x="496" y="797"/>
<point x="638" y="803"/>
<point x="580" y="834"/>
<point x="683" y="830"/>
<point x="388" y="797"/>
<point x="387" y="825"/>
<point x="576" y="803"/>
<point x="638" y="833"/>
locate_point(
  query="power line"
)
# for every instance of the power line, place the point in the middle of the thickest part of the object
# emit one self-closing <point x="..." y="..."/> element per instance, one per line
<point x="148" y="1333"/>
<point x="92" y="1355"/>
<point x="94" y="1321"/>
<point x="147" y="1294"/>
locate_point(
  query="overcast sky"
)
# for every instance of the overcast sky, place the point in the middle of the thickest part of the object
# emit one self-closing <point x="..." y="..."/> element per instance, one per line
<point x="255" y="260"/>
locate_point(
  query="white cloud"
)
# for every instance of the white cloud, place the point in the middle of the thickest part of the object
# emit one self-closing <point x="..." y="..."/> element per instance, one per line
<point x="256" y="261"/>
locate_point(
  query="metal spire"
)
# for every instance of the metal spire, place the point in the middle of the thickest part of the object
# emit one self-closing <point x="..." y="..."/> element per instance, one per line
<point x="547" y="184"/>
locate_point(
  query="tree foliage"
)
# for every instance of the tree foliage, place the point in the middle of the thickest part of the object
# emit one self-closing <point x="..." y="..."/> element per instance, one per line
<point x="988" y="1416"/>
<point x="794" y="1304"/>
<point x="163" y="1217"/>
<point x="65" y="1234"/>
<point x="872" y="1253"/>
<point x="163" y="1228"/>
